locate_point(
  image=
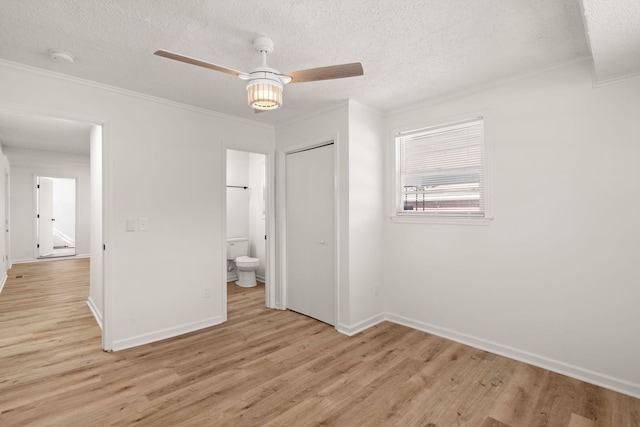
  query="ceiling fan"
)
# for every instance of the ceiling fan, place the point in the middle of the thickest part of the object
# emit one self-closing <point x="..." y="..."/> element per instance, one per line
<point x="265" y="84"/>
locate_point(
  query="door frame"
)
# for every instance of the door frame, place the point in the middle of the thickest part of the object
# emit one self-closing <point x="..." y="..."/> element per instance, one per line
<point x="282" y="221"/>
<point x="7" y="222"/>
<point x="269" y="226"/>
<point x="36" y="208"/>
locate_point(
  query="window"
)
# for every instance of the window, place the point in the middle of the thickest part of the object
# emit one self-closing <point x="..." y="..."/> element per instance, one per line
<point x="441" y="171"/>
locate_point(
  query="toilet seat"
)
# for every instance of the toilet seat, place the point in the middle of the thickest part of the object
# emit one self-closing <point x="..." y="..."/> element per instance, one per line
<point x="247" y="267"/>
<point x="246" y="261"/>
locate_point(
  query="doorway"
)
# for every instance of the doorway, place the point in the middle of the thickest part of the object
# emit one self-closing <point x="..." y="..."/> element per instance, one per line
<point x="247" y="215"/>
<point x="56" y="217"/>
<point x="310" y="232"/>
<point x="51" y="137"/>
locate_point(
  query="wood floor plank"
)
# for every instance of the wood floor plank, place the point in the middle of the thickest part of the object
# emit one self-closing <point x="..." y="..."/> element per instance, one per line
<point x="578" y="421"/>
<point x="520" y="395"/>
<point x="264" y="367"/>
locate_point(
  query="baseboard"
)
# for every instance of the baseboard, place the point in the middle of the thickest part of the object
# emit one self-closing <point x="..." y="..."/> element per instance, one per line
<point x="3" y="281"/>
<point x="28" y="260"/>
<point x="96" y="313"/>
<point x="360" y="326"/>
<point x="24" y="261"/>
<point x="602" y="380"/>
<point x="165" y="333"/>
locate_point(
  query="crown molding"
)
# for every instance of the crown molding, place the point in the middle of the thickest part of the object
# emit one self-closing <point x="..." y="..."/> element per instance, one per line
<point x="475" y="89"/>
<point x="597" y="83"/>
<point x="125" y="92"/>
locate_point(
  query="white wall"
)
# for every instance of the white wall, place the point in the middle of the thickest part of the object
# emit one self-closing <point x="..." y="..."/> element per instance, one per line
<point x="25" y="166"/>
<point x="163" y="162"/>
<point x="553" y="279"/>
<point x="366" y="215"/>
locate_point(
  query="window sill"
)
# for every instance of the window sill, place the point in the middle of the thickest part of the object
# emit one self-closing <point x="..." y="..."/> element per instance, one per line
<point x="450" y="220"/>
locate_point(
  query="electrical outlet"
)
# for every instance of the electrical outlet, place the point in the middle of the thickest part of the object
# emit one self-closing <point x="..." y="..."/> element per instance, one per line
<point x="206" y="291"/>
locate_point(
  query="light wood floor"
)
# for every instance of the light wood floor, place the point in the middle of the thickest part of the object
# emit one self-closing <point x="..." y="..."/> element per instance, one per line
<point x="263" y="367"/>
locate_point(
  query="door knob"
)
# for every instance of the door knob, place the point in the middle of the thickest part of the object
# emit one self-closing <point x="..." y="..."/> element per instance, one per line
<point x="322" y="242"/>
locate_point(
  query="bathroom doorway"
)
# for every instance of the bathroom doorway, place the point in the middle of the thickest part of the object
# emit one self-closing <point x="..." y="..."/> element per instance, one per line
<point x="247" y="218"/>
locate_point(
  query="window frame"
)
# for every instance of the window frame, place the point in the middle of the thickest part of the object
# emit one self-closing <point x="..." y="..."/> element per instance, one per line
<point x="400" y="216"/>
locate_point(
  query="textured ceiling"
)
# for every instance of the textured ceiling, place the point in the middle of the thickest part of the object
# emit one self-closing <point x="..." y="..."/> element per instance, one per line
<point x="614" y="34"/>
<point x="411" y="50"/>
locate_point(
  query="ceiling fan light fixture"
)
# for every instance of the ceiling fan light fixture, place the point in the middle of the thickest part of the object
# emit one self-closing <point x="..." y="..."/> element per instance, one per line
<point x="265" y="84"/>
<point x="264" y="94"/>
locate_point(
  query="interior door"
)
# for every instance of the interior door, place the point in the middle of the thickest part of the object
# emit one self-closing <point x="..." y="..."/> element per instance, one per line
<point x="310" y="246"/>
<point x="45" y="216"/>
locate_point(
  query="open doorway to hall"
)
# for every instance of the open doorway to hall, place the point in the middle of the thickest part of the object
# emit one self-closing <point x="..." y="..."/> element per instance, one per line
<point x="62" y="218"/>
<point x="246" y="229"/>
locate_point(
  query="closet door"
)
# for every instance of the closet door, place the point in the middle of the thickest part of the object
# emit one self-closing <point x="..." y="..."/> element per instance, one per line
<point x="310" y="245"/>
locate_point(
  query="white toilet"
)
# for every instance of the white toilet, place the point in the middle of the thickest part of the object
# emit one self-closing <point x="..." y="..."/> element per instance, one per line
<point x="237" y="251"/>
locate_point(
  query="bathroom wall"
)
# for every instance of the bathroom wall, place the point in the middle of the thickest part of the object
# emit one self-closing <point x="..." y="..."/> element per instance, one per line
<point x="245" y="208"/>
<point x="237" y="198"/>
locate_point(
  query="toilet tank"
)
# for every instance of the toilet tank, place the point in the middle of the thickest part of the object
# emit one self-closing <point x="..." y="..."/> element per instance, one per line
<point x="236" y="247"/>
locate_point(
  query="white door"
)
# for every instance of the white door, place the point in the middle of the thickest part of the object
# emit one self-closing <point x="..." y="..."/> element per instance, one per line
<point x="45" y="216"/>
<point x="310" y="246"/>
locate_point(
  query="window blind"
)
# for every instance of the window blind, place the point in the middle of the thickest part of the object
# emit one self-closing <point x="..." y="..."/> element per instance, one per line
<point x="441" y="170"/>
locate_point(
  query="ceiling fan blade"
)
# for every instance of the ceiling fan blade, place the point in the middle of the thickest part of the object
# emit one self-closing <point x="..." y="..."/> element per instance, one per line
<point x="199" y="63"/>
<point x="326" y="73"/>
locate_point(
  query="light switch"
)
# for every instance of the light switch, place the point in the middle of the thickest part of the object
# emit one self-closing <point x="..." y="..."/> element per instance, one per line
<point x="143" y="224"/>
<point x="132" y="225"/>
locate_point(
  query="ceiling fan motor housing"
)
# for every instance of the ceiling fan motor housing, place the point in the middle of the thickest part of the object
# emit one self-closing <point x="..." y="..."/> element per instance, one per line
<point x="264" y="89"/>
